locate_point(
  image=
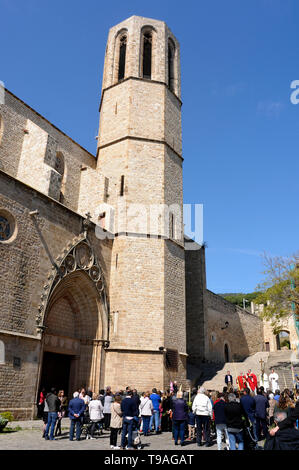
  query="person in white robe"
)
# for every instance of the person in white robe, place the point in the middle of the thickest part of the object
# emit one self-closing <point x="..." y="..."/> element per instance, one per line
<point x="273" y="379"/>
<point x="264" y="381"/>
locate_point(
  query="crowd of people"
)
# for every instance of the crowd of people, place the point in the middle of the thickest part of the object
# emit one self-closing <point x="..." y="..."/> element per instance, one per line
<point x="237" y="418"/>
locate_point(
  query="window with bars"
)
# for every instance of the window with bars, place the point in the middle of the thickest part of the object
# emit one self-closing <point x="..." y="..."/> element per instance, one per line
<point x="172" y="359"/>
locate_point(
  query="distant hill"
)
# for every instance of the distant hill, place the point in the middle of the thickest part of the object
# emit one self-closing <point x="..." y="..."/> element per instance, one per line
<point x="237" y="298"/>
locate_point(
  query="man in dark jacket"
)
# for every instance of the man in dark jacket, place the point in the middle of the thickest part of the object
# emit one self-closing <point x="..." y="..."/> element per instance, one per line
<point x="53" y="403"/>
<point x="234" y="415"/>
<point x="228" y="379"/>
<point x="287" y="422"/>
<point x="261" y="405"/>
<point x="220" y="420"/>
<point x="136" y="397"/>
<point x="248" y="403"/>
<point x="76" y="410"/>
<point x="286" y="438"/>
<point x="129" y="411"/>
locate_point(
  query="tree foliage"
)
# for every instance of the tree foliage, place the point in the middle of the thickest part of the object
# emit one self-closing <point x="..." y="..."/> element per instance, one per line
<point x="237" y="298"/>
<point x="279" y="292"/>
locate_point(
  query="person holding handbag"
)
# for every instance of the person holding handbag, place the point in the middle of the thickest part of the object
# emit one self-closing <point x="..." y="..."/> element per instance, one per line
<point x="116" y="421"/>
<point x="146" y="411"/>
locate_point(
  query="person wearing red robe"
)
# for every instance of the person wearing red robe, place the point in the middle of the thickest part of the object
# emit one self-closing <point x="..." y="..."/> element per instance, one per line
<point x="241" y="381"/>
<point x="251" y="380"/>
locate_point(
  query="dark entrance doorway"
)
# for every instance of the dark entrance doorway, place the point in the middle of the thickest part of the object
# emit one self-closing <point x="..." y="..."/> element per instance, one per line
<point x="226" y="353"/>
<point x="56" y="371"/>
<point x="283" y="340"/>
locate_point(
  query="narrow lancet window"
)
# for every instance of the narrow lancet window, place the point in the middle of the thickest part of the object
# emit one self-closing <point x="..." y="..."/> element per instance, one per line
<point x="122" y="185"/>
<point x="122" y="57"/>
<point x="171" y="51"/>
<point x="147" y="56"/>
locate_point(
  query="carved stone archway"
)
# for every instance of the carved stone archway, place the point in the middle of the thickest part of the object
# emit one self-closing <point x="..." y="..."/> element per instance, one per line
<point x="73" y="317"/>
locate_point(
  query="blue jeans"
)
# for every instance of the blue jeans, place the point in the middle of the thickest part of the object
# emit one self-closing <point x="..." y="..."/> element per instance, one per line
<point x="221" y="428"/>
<point x="156" y="419"/>
<point x="179" y="430"/>
<point x="78" y="423"/>
<point x="127" y="429"/>
<point x="145" y="425"/>
<point x="52" y="418"/>
<point x="236" y="437"/>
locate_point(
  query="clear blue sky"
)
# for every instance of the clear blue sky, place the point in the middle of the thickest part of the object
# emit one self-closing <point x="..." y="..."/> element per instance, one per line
<point x="240" y="130"/>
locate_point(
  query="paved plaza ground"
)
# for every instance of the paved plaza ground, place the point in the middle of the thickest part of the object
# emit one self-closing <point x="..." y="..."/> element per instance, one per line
<point x="30" y="438"/>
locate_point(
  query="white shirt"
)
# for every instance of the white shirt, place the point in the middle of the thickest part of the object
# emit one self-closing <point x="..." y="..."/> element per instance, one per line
<point x="146" y="407"/>
<point x="202" y="405"/>
<point x="96" y="410"/>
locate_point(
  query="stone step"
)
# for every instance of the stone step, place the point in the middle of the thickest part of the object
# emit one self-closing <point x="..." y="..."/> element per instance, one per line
<point x="212" y="375"/>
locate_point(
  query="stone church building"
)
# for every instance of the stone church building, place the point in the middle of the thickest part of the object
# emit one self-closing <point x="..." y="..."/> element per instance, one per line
<point x="94" y="290"/>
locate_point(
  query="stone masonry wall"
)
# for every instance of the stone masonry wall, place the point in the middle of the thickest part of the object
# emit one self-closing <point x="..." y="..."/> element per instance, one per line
<point x="243" y="336"/>
<point x="195" y="307"/>
<point x="25" y="263"/>
<point x="28" y="150"/>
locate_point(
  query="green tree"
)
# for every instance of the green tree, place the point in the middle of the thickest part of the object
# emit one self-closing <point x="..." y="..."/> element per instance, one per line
<point x="237" y="298"/>
<point x="279" y="292"/>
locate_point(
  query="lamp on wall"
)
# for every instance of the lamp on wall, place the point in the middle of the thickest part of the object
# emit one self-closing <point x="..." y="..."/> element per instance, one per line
<point x="226" y="325"/>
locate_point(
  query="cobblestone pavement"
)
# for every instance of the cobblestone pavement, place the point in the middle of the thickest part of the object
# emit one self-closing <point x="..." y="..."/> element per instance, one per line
<point x="30" y="438"/>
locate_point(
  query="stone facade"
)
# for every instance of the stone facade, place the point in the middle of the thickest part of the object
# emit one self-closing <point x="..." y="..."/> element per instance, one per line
<point x="286" y="325"/>
<point x="218" y="331"/>
<point x="96" y="285"/>
<point x="110" y="309"/>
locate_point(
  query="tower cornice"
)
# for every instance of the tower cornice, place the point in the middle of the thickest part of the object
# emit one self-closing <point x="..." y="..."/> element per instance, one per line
<point x="143" y="80"/>
<point x="140" y="139"/>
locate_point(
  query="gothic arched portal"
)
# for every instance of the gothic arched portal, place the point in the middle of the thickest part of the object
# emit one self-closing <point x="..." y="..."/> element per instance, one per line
<point x="75" y="324"/>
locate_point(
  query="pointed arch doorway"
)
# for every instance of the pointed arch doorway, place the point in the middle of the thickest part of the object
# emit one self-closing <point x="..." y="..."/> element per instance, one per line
<point x="75" y="326"/>
<point x="226" y="353"/>
<point x="73" y="337"/>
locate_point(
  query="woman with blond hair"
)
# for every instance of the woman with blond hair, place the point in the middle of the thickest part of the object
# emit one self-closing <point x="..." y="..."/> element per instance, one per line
<point x="96" y="415"/>
<point x="180" y="417"/>
<point x="116" y="421"/>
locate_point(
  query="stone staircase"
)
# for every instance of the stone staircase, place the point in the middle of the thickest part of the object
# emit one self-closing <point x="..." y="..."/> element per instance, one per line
<point x="212" y="375"/>
<point x="281" y="362"/>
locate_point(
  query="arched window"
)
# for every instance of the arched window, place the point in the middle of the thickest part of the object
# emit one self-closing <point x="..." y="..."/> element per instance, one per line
<point x="147" y="55"/>
<point x="2" y="352"/>
<point x="226" y="353"/>
<point x="122" y="57"/>
<point x="171" y="54"/>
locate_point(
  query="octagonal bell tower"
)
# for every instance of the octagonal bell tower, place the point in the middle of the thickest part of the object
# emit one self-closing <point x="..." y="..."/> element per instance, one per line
<point x="140" y="154"/>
